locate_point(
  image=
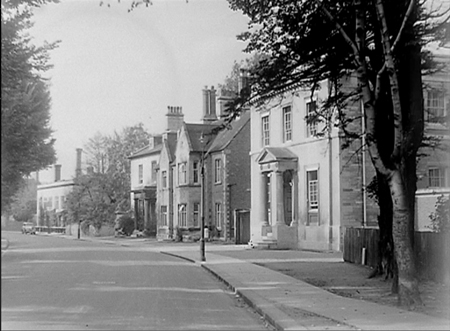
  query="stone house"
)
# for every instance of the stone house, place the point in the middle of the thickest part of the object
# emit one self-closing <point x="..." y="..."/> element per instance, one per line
<point x="144" y="166"/>
<point x="51" y="197"/>
<point x="307" y="189"/>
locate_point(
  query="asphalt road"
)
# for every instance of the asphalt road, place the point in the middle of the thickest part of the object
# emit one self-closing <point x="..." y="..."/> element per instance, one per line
<point x="51" y="283"/>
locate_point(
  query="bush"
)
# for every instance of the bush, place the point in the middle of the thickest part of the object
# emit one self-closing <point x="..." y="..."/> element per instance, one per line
<point x="440" y="218"/>
<point x="124" y="224"/>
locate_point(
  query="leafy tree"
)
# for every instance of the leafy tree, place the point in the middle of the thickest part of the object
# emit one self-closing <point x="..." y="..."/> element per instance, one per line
<point x="306" y="42"/>
<point x="99" y="192"/>
<point x="27" y="144"/>
<point x="24" y="204"/>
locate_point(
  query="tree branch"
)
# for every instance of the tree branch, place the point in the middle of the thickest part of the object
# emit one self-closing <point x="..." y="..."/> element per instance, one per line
<point x="402" y="27"/>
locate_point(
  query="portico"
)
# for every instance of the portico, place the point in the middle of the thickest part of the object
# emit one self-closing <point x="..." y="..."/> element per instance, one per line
<point x="278" y="197"/>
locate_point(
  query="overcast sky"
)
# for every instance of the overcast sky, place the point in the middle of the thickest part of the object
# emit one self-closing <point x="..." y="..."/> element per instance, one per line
<point x="115" y="69"/>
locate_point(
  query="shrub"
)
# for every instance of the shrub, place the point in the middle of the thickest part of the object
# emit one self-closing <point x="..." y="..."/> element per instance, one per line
<point x="124" y="224"/>
<point x="440" y="218"/>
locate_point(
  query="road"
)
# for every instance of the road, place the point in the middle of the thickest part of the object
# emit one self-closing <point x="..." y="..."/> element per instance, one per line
<point x="53" y="283"/>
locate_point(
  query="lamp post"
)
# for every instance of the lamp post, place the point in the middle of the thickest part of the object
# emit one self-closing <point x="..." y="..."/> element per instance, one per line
<point x="202" y="201"/>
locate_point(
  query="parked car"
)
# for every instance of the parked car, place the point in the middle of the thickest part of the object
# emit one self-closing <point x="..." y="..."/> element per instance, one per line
<point x="28" y="227"/>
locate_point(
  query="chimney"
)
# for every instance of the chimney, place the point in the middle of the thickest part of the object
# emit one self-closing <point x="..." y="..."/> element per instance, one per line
<point x="57" y="172"/>
<point x="175" y="118"/>
<point x="78" y="164"/>
<point x="209" y="105"/>
<point x="37" y="177"/>
<point x="243" y="82"/>
<point x="225" y="96"/>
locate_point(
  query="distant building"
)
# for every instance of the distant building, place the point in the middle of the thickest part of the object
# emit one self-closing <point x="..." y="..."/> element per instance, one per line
<point x="51" y="197"/>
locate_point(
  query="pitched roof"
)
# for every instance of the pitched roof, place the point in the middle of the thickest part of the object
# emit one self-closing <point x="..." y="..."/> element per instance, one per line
<point x="146" y="151"/>
<point x="224" y="137"/>
<point x="195" y="131"/>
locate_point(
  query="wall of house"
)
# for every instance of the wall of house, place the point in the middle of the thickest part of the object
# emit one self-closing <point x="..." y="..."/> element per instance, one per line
<point x="53" y="197"/>
<point x="184" y="193"/>
<point x="313" y="154"/>
<point x="237" y="169"/>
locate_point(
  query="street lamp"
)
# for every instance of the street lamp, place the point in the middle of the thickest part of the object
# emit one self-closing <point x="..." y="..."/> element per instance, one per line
<point x="202" y="201"/>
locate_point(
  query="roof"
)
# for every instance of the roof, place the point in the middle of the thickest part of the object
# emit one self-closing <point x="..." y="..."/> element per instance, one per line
<point x="194" y="133"/>
<point x="271" y="154"/>
<point x="226" y="136"/>
<point x="146" y="151"/>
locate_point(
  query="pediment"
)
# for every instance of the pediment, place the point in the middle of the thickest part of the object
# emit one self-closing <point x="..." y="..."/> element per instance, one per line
<point x="276" y="154"/>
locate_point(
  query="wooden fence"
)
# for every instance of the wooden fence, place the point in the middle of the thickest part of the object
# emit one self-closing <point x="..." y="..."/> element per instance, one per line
<point x="432" y="251"/>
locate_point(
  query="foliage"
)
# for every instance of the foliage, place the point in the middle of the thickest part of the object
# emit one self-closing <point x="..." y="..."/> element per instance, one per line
<point x="440" y="218"/>
<point x="24" y="204"/>
<point x="124" y="224"/>
<point x="100" y="192"/>
<point x="305" y="43"/>
<point x="27" y="144"/>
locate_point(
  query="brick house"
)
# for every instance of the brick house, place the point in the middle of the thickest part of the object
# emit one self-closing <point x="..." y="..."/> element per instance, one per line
<point x="433" y="168"/>
<point x="177" y="187"/>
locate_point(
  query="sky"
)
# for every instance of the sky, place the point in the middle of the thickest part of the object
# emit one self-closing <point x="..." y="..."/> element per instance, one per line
<point x="114" y="69"/>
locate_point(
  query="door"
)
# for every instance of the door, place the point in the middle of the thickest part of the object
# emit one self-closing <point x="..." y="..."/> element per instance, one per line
<point x="242" y="227"/>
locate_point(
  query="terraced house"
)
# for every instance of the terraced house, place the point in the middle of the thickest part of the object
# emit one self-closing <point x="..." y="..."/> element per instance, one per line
<point x="185" y="153"/>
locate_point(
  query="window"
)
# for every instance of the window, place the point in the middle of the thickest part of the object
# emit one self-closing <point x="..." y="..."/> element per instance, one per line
<point x="436" y="177"/>
<point x="219" y="216"/>
<point x="141" y="174"/>
<point x="311" y="129"/>
<point x="182" y="173"/>
<point x="56" y="202"/>
<point x="313" y="196"/>
<point x="63" y="202"/>
<point x="217" y="171"/>
<point x="182" y="219"/>
<point x="196" y="214"/>
<point x="265" y="131"/>
<point x="435" y="109"/>
<point x="164" y="178"/>
<point x="154" y="167"/>
<point x="164" y="215"/>
<point x="287" y="123"/>
<point x="195" y="168"/>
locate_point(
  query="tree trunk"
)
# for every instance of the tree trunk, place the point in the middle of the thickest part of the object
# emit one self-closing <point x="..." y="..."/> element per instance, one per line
<point x="403" y="249"/>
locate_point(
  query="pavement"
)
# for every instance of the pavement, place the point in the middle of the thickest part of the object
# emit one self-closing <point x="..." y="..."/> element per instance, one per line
<point x="285" y="302"/>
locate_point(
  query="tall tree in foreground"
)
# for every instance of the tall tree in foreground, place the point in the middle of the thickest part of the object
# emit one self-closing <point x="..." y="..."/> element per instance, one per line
<point x="308" y="41"/>
<point x="27" y="144"/>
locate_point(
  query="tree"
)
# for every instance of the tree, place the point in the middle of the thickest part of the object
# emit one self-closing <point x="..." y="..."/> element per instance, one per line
<point x="24" y="204"/>
<point x="27" y="144"/>
<point x="99" y="192"/>
<point x="306" y="42"/>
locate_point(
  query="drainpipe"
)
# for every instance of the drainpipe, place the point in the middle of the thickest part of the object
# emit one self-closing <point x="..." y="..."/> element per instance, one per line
<point x="330" y="173"/>
<point x="363" y="149"/>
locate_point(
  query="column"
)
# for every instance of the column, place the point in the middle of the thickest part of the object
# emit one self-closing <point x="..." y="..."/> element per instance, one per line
<point x="279" y="198"/>
<point x="263" y="199"/>
<point x="146" y="214"/>
<point x="294" y="188"/>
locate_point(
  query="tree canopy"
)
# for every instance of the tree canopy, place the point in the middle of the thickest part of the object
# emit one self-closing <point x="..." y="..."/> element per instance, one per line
<point x="27" y="143"/>
<point x="106" y="185"/>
